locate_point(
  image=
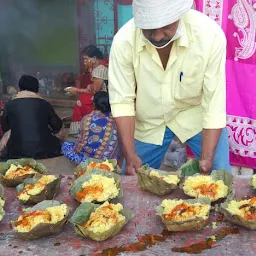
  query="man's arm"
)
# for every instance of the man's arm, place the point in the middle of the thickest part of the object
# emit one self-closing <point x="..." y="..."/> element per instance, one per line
<point x="54" y="121"/>
<point x="122" y="97"/>
<point x="5" y="122"/>
<point x="213" y="102"/>
<point x="209" y="143"/>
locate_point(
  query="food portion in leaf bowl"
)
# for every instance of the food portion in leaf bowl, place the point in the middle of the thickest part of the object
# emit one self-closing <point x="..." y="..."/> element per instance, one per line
<point x="157" y="181"/>
<point x="38" y="189"/>
<point x="241" y="212"/>
<point x="14" y="172"/>
<point x="253" y="181"/>
<point x="184" y="215"/>
<point x="2" y="202"/>
<point x="109" y="165"/>
<point x="100" y="222"/>
<point x="96" y="186"/>
<point x="216" y="186"/>
<point x="44" y="219"/>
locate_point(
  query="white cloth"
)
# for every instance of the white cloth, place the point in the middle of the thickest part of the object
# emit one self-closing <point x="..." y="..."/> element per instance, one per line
<point x="153" y="14"/>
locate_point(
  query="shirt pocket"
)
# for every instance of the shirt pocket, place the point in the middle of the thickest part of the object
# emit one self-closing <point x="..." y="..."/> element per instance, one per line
<point x="189" y="90"/>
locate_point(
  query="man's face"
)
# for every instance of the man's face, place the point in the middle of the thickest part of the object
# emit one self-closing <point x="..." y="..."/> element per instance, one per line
<point x="161" y="36"/>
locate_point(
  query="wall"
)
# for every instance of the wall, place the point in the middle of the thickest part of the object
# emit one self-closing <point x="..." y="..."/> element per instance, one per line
<point x="41" y="36"/>
<point x="104" y="19"/>
<point x="124" y="14"/>
<point x="58" y="44"/>
<point x="38" y="34"/>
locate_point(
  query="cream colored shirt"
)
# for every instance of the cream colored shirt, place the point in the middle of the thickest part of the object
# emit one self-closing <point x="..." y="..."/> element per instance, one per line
<point x="189" y="95"/>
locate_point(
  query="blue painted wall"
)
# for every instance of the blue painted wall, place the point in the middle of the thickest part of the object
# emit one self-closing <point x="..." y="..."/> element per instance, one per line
<point x="104" y="19"/>
<point x="124" y="14"/>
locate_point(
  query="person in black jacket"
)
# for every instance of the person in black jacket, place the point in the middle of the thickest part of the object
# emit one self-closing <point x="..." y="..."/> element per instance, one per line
<point x="32" y="123"/>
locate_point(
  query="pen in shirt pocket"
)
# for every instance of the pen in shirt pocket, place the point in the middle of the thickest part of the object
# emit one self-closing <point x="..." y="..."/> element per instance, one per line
<point x="181" y="75"/>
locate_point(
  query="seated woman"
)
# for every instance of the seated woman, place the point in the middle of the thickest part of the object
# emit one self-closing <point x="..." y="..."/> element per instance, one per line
<point x="32" y="123"/>
<point x="96" y="64"/>
<point x="98" y="134"/>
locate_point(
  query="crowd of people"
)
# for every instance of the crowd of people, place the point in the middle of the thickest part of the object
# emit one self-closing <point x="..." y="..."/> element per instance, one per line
<point x="33" y="129"/>
<point x="165" y="78"/>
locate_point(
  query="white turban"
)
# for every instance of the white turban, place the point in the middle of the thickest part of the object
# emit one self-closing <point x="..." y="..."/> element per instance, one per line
<point x="153" y="14"/>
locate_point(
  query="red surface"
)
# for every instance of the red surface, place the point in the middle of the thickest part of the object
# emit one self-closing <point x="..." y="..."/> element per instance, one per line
<point x="125" y="2"/>
<point x="144" y="235"/>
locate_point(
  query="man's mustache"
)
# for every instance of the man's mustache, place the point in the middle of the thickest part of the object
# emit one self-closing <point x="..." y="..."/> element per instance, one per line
<point x="160" y="43"/>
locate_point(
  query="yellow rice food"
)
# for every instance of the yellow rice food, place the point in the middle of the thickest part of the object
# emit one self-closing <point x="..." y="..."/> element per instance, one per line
<point x="254" y="181"/>
<point x="179" y="210"/>
<point x="204" y="186"/>
<point x="245" y="208"/>
<point x="171" y="179"/>
<point x="1" y="209"/>
<point x="105" y="165"/>
<point x="50" y="215"/>
<point x="99" y="188"/>
<point x="17" y="171"/>
<point x="104" y="218"/>
<point x="36" y="188"/>
<point x="1" y="203"/>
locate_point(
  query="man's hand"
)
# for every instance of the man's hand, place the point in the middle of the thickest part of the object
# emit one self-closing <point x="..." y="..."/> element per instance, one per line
<point x="210" y="140"/>
<point x="132" y="164"/>
<point x="205" y="166"/>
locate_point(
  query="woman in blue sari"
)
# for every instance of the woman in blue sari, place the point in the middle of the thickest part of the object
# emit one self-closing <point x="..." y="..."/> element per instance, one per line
<point x="98" y="136"/>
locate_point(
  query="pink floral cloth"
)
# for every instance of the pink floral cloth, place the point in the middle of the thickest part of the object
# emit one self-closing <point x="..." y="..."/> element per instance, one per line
<point x="238" y="20"/>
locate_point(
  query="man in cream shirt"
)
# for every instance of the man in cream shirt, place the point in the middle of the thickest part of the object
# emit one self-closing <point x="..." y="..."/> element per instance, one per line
<point x="167" y="78"/>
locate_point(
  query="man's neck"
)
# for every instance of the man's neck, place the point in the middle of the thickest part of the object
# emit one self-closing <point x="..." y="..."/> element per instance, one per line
<point x="164" y="54"/>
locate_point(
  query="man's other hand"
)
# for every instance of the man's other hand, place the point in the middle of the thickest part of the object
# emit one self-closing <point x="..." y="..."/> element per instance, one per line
<point x="132" y="164"/>
<point x="205" y="166"/>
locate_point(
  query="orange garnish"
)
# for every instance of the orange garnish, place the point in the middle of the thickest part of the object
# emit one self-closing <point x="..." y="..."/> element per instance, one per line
<point x="252" y="201"/>
<point x="94" y="165"/>
<point x="106" y="213"/>
<point x="105" y="167"/>
<point x="26" y="168"/>
<point x="250" y="209"/>
<point x="25" y="222"/>
<point x="179" y="209"/>
<point x="207" y="190"/>
<point x="94" y="190"/>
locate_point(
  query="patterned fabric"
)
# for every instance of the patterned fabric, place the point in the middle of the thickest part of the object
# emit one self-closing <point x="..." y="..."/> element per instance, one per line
<point x="101" y="72"/>
<point x="237" y="19"/>
<point x="98" y="138"/>
<point x="84" y="104"/>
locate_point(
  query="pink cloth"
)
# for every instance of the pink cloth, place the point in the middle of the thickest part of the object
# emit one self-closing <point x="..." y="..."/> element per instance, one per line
<point x="238" y="20"/>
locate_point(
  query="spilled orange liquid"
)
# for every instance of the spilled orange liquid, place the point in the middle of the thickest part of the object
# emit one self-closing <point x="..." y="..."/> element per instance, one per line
<point x="150" y="240"/>
<point x="143" y="243"/>
<point x="208" y="243"/>
<point x="220" y="217"/>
